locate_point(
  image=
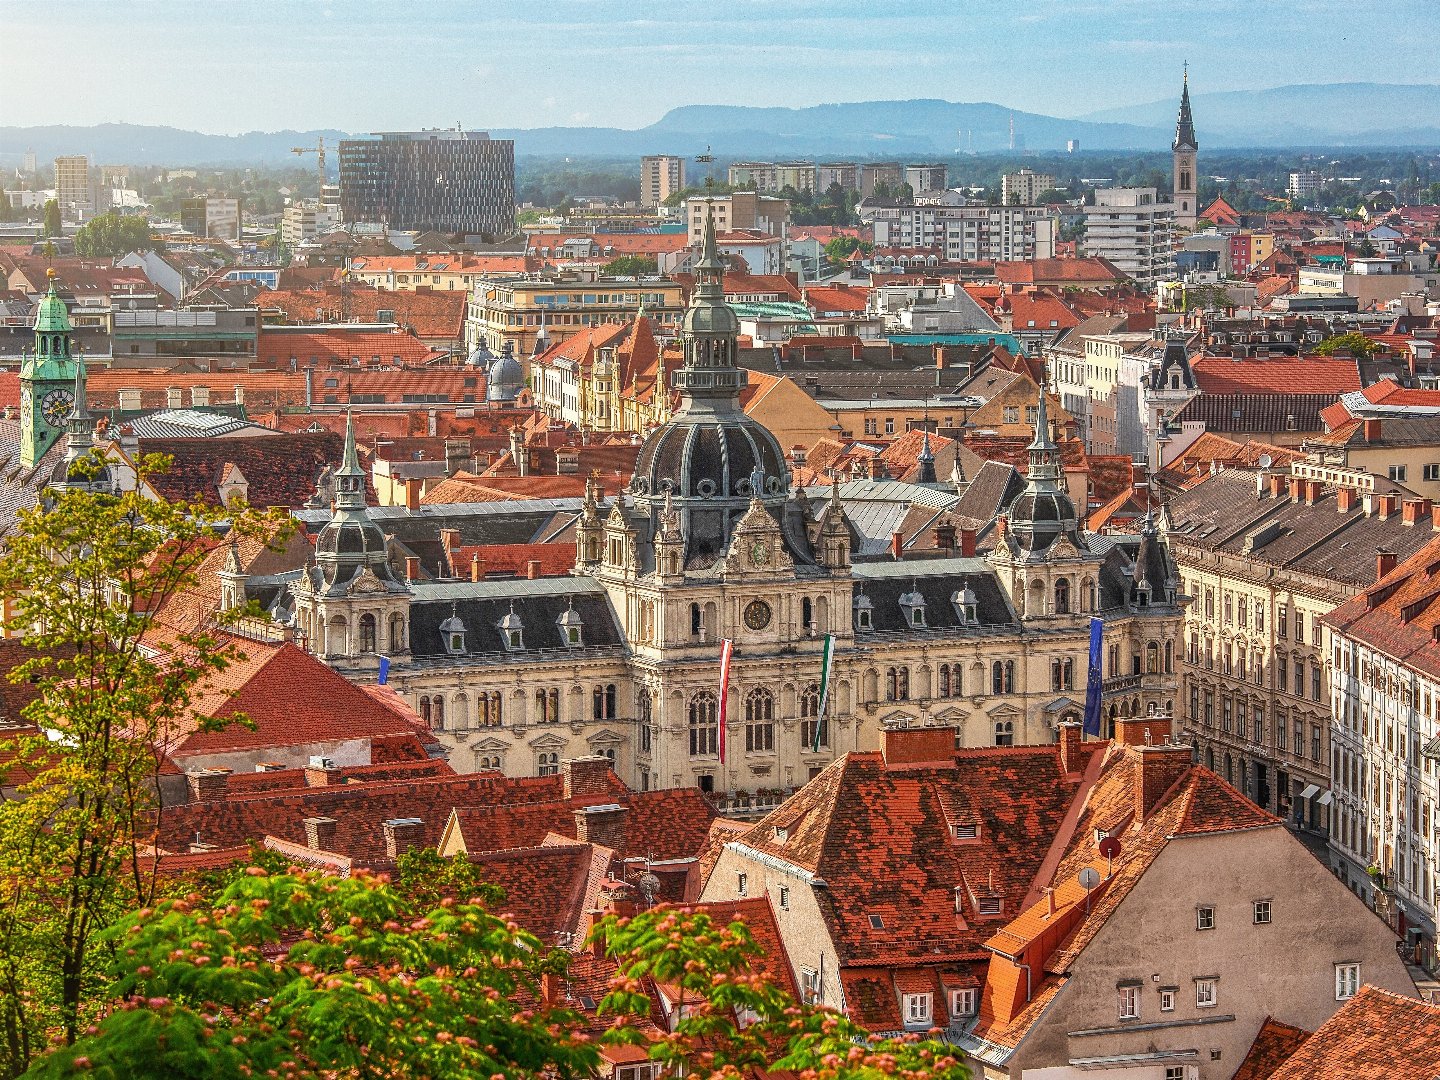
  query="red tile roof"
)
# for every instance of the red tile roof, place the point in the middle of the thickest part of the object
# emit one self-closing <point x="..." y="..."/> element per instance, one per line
<point x="323" y="348"/>
<point x="827" y="299"/>
<point x="429" y="314"/>
<point x="1399" y="615"/>
<point x="1044" y="271"/>
<point x="1279" y="375"/>
<point x="1274" y="1042"/>
<point x="1376" y="1035"/>
<point x="280" y="470"/>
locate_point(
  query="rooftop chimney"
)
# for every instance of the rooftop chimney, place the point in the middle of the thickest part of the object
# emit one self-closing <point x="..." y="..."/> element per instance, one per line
<point x="320" y="833"/>
<point x="897" y="544"/>
<point x="477" y="568"/>
<point x="1142" y="730"/>
<point x="412" y="492"/>
<point x="908" y="746"/>
<point x="208" y="785"/>
<point x="412" y="568"/>
<point x="1385" y="560"/>
<point x="603" y="825"/>
<point x="1277" y="484"/>
<point x="587" y="776"/>
<point x="401" y="834"/>
<point x="1071" y="735"/>
<point x="1160" y="767"/>
<point x="1414" y="511"/>
<point x="1346" y="499"/>
<point x="318" y="772"/>
<point x="1388" y="504"/>
<point x="532" y="569"/>
<point x="1372" y="431"/>
<point x="967" y="543"/>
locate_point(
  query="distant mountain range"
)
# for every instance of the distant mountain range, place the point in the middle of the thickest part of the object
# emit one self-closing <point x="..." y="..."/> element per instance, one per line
<point x="1338" y="115"/>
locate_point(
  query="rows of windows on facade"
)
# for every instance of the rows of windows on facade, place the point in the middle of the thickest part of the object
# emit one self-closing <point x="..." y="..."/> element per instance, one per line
<point x="1166" y="998"/>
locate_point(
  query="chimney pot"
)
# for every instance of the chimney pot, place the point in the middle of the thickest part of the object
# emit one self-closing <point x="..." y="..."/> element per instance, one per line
<point x="532" y="569"/>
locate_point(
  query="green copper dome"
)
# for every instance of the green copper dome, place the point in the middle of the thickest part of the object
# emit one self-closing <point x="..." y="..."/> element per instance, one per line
<point x="51" y="317"/>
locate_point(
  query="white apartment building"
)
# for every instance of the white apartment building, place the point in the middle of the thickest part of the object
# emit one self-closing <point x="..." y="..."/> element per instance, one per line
<point x="1304" y="184"/>
<point x="967" y="233"/>
<point x="661" y="175"/>
<point x="75" y="187"/>
<point x="303" y="221"/>
<point x="1025" y="187"/>
<point x="1133" y="229"/>
<point x="923" y="178"/>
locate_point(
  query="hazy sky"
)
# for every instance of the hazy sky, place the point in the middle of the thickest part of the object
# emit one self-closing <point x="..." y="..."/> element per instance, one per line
<point x="227" y="66"/>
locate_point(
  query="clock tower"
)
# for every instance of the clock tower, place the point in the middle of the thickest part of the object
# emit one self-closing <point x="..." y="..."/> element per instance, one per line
<point x="47" y="379"/>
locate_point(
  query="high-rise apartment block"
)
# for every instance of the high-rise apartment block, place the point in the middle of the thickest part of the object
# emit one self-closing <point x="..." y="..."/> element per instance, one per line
<point x="1135" y="230"/>
<point x="661" y="175"/>
<point x="1025" y="187"/>
<point x="923" y="178"/>
<point x="452" y="181"/>
<point x="1304" y="184"/>
<point x="738" y="211"/>
<point x="842" y="174"/>
<point x="966" y="233"/>
<point x="75" y="186"/>
<point x="211" y="217"/>
<point x="874" y="174"/>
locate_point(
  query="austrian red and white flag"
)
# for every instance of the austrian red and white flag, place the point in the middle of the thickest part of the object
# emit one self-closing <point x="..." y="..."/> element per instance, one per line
<point x="726" y="648"/>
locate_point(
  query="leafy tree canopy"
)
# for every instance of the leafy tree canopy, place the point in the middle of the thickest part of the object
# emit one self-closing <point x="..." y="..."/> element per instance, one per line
<point x="113" y="234"/>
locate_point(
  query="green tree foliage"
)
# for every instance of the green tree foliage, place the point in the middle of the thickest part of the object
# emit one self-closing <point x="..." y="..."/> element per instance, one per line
<point x="113" y="234"/>
<point x="715" y="969"/>
<point x="1207" y="298"/>
<point x="87" y="569"/>
<point x="309" y="976"/>
<point x="303" y="976"/>
<point x="51" y="219"/>
<point x="1354" y="344"/>
<point x="631" y="266"/>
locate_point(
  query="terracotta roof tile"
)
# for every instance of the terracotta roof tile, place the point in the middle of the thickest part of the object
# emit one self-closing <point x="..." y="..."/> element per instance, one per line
<point x="1376" y="1035"/>
<point x="1274" y="1042"/>
<point x="1277" y="375"/>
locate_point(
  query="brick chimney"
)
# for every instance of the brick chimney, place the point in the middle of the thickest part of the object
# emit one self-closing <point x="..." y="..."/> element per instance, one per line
<point x="320" y="833"/>
<point x="319" y="771"/>
<point x="1142" y="730"/>
<point x="967" y="543"/>
<point x="1346" y="499"/>
<point x="603" y="825"/>
<point x="1160" y="767"/>
<point x="909" y="746"/>
<point x="412" y="568"/>
<point x="1071" y="735"/>
<point x="533" y="569"/>
<point x="1388" y="504"/>
<point x="587" y="776"/>
<point x="1297" y="488"/>
<point x="412" y="492"/>
<point x="401" y="834"/>
<point x="1385" y="561"/>
<point x="897" y="544"/>
<point x="1414" y="511"/>
<point x="208" y="785"/>
<point x="1313" y="488"/>
<point x="1277" y="484"/>
<point x="477" y="568"/>
<point x="1373" y="429"/>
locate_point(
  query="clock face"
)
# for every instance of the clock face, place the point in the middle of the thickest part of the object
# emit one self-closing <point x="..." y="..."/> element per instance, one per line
<point x="56" y="407"/>
<point x="760" y="553"/>
<point x="757" y="615"/>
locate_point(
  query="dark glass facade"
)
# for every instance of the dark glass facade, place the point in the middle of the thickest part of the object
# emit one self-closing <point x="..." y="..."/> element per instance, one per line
<point x="446" y="180"/>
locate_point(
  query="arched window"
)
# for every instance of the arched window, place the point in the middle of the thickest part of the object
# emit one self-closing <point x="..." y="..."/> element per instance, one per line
<point x="759" y="721"/>
<point x="810" y="719"/>
<point x="367" y="633"/>
<point x="1062" y="596"/>
<point x="942" y="687"/>
<point x="807" y="614"/>
<point x="704" y="726"/>
<point x="603" y="702"/>
<point x="697" y="622"/>
<point x="1114" y="666"/>
<point x="547" y="764"/>
<point x="547" y="706"/>
<point x="1170" y="658"/>
<point x="425" y="708"/>
<point x="897" y="684"/>
<point x="397" y="633"/>
<point x="437" y="708"/>
<point x="1002" y="677"/>
<point x="1152" y="658"/>
<point x="490" y="709"/>
<point x="487" y="761"/>
<point x="335" y="635"/>
<point x="1004" y="733"/>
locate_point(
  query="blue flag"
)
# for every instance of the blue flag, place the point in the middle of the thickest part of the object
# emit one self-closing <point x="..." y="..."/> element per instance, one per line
<point x="1092" y="680"/>
<point x="384" y="670"/>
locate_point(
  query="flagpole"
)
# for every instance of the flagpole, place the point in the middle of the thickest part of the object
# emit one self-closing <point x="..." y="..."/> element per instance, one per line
<point x="726" y="648"/>
<point x="827" y="659"/>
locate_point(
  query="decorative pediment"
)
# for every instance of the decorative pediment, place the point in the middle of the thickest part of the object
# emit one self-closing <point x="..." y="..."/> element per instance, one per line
<point x="492" y="745"/>
<point x="1064" y="548"/>
<point x="1061" y="704"/>
<point x="1003" y="711"/>
<point x="757" y="546"/>
<point x="365" y="583"/>
<point x="605" y="737"/>
<point x="951" y="716"/>
<point x="897" y="719"/>
<point x="548" y="741"/>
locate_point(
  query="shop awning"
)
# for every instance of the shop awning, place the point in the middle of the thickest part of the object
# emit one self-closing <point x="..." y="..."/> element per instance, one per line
<point x="1310" y="790"/>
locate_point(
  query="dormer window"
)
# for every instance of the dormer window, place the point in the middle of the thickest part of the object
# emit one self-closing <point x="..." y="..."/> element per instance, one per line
<point x="964" y="831"/>
<point x="571" y="627"/>
<point x="965" y="604"/>
<point x="912" y="604"/>
<point x="512" y="631"/>
<point x="988" y="905"/>
<point x="452" y="634"/>
<point x="864" y="613"/>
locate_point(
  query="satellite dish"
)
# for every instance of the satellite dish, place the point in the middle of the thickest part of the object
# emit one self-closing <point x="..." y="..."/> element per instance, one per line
<point x="1110" y="847"/>
<point x="1089" y="878"/>
<point x="1266" y="461"/>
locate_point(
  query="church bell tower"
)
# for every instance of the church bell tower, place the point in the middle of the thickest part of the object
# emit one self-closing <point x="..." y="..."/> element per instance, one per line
<point x="1183" y="152"/>
<point x="46" y="380"/>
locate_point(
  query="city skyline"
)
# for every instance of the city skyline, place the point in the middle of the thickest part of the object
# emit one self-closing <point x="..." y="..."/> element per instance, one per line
<point x="361" y="66"/>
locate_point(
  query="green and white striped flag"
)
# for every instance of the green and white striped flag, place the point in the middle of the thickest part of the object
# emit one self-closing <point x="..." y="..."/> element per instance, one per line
<point x="827" y="658"/>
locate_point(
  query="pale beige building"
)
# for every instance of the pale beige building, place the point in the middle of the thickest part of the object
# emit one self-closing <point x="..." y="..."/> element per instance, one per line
<point x="661" y="175"/>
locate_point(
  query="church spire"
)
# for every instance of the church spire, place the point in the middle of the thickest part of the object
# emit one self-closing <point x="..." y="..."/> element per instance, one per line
<point x="709" y="379"/>
<point x="350" y="477"/>
<point x="1185" y="123"/>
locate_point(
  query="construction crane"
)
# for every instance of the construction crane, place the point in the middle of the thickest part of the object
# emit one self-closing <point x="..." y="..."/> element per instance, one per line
<point x="319" y="151"/>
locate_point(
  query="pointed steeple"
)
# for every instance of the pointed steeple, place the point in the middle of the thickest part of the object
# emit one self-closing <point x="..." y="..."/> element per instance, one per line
<point x="709" y="379"/>
<point x="926" y="461"/>
<point x="1185" y="124"/>
<point x="1044" y="472"/>
<point x="350" y="477"/>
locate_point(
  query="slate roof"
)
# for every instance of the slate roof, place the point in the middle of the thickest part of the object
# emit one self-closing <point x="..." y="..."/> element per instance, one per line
<point x="1223" y="513"/>
<point x="280" y="470"/>
<point x="1376" y="1035"/>
<point x="1257" y="412"/>
<point x="538" y="603"/>
<point x="191" y="424"/>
